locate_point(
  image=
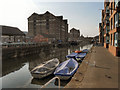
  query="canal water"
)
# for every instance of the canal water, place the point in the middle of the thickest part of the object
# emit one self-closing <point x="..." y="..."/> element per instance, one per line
<point x="16" y="72"/>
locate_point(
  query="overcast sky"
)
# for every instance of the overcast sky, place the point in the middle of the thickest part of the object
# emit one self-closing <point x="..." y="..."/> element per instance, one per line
<point x="84" y="16"/>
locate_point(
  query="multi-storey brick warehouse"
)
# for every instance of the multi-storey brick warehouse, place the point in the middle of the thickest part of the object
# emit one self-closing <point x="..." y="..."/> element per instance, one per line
<point x="111" y="26"/>
<point x="74" y="34"/>
<point x="48" y="23"/>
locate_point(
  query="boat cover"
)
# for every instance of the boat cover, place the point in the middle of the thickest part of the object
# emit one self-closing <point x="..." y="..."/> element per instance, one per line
<point x="81" y="55"/>
<point x="72" y="55"/>
<point x="67" y="68"/>
<point x="85" y="50"/>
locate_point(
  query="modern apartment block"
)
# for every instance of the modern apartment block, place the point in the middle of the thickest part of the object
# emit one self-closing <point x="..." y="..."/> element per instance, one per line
<point x="111" y="26"/>
<point x="74" y="34"/>
<point x="48" y="24"/>
<point x="101" y="34"/>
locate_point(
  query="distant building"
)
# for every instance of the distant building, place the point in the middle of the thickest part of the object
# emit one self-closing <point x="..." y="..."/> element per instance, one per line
<point x="48" y="24"/>
<point x="25" y="33"/>
<point x="101" y="34"/>
<point x="111" y="26"/>
<point x="74" y="35"/>
<point x="96" y="38"/>
<point x="11" y="34"/>
<point x="82" y="37"/>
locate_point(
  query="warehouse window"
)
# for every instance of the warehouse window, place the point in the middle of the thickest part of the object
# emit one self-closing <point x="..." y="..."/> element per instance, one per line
<point x="111" y="39"/>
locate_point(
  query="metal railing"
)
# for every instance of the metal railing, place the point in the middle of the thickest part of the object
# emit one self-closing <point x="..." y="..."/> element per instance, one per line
<point x="51" y="81"/>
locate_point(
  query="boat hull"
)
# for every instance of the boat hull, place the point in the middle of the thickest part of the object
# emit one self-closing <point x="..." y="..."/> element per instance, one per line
<point x="79" y="60"/>
<point x="45" y="69"/>
<point x="63" y="77"/>
<point x="40" y="76"/>
<point x="85" y="51"/>
<point x="66" y="69"/>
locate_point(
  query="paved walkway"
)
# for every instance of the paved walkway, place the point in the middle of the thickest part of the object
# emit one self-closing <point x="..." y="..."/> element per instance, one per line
<point x="98" y="70"/>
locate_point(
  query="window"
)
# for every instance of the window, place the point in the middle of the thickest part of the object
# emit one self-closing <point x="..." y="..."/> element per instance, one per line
<point x="51" y="19"/>
<point x="116" y="39"/>
<point x="107" y="29"/>
<point x="111" y="8"/>
<point x="34" y="26"/>
<point x="37" y="20"/>
<point x="107" y="21"/>
<point x="111" y="39"/>
<point x="43" y="20"/>
<point x="116" y="20"/>
<point x="107" y="9"/>
<point x="107" y="39"/>
<point x="114" y="4"/>
<point x="111" y="23"/>
<point x="47" y="25"/>
<point x="119" y="19"/>
<point x="31" y="21"/>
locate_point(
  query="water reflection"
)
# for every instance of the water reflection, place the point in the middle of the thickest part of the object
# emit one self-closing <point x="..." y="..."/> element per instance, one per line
<point x="41" y="81"/>
<point x="16" y="72"/>
<point x="17" y="78"/>
<point x="62" y="83"/>
<point x="45" y="56"/>
<point x="12" y="65"/>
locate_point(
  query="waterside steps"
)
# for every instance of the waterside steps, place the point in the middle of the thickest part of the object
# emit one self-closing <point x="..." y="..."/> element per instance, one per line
<point x="51" y="81"/>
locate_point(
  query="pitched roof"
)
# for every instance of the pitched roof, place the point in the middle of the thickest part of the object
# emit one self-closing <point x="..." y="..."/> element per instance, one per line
<point x="46" y="13"/>
<point x="11" y="31"/>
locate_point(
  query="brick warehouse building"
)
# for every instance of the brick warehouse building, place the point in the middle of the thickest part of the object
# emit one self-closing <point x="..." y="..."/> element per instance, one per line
<point x="111" y="26"/>
<point x="74" y="34"/>
<point x="48" y="23"/>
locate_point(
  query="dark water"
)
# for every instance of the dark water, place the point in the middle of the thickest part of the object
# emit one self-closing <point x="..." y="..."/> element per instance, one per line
<point x="16" y="72"/>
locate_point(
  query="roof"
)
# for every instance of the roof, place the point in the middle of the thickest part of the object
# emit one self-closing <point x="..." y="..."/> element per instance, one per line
<point x="11" y="31"/>
<point x="47" y="35"/>
<point x="96" y="37"/>
<point x="46" y="13"/>
<point x="73" y="29"/>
